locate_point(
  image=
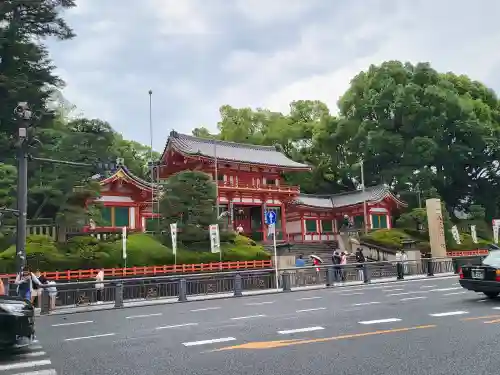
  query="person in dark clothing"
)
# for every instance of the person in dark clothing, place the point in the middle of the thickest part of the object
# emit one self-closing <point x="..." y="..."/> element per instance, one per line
<point x="360" y="258"/>
<point x="337" y="269"/>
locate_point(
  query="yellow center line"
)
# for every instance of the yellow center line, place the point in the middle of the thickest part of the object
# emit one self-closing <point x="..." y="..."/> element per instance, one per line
<point x="283" y="343"/>
<point x="480" y="317"/>
<point x="493" y="321"/>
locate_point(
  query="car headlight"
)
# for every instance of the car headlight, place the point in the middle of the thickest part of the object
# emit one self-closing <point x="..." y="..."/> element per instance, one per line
<point x="13" y="308"/>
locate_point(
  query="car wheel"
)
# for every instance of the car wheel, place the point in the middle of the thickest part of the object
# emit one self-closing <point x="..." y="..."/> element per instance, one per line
<point x="491" y="294"/>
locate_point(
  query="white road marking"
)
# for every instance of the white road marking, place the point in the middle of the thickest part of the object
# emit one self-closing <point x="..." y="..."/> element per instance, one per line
<point x="15" y="366"/>
<point x="427" y="286"/>
<point x="307" y="298"/>
<point x="205" y="342"/>
<point x="206" y="309"/>
<point x="298" y="330"/>
<point x="406" y="293"/>
<point x="412" y="298"/>
<point x="389" y="320"/>
<point x="496" y="308"/>
<point x="450" y="313"/>
<point x="259" y="303"/>
<point x="483" y="300"/>
<point x="72" y="323"/>
<point x="307" y="310"/>
<point x="248" y="317"/>
<point x="90" y="337"/>
<point x="351" y="294"/>
<point x="445" y="289"/>
<point x="366" y="303"/>
<point x="393" y="290"/>
<point x="143" y="316"/>
<point x="454" y="293"/>
<point x="40" y="372"/>
<point x="33" y="354"/>
<point x="177" y="326"/>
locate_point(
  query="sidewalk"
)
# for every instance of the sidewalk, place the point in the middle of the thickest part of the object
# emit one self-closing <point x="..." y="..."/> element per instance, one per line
<point x="164" y="301"/>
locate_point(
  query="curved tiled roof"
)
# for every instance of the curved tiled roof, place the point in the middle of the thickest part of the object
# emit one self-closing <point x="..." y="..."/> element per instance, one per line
<point x="371" y="194"/>
<point x="231" y="151"/>
<point x="128" y="175"/>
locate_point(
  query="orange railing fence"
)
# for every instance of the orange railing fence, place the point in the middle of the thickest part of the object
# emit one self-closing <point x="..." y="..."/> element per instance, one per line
<point x="152" y="270"/>
<point x="468" y="253"/>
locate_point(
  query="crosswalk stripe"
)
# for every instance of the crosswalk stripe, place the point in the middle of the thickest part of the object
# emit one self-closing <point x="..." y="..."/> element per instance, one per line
<point x="15" y="366"/>
<point x="40" y="372"/>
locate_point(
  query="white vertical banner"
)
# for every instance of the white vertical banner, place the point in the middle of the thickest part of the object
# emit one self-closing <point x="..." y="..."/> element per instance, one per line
<point x="124" y="243"/>
<point x="173" y="234"/>
<point x="495" y="234"/>
<point x="456" y="235"/>
<point x="214" y="238"/>
<point x="473" y="233"/>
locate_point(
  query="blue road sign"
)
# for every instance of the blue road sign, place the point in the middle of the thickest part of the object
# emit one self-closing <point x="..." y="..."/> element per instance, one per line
<point x="270" y="217"/>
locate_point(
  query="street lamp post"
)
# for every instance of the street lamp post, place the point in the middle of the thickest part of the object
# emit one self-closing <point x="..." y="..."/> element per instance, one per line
<point x="216" y="172"/>
<point x="23" y="113"/>
<point x="365" y="215"/>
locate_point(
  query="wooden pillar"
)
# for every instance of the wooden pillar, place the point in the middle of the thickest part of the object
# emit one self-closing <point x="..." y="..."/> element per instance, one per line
<point x="283" y="221"/>
<point x="264" y="209"/>
<point x="302" y="226"/>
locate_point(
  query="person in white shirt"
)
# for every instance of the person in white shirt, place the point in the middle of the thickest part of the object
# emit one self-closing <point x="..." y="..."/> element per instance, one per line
<point x="99" y="286"/>
<point x="52" y="290"/>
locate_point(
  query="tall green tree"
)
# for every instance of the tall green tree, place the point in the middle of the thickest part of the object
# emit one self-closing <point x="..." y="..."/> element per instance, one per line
<point x="413" y="125"/>
<point x="26" y="72"/>
<point x="189" y="199"/>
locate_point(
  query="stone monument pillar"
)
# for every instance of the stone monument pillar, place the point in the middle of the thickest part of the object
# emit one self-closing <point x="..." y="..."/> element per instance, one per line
<point x="436" y="227"/>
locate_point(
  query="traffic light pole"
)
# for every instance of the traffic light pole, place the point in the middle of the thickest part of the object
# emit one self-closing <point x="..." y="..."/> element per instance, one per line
<point x="24" y="114"/>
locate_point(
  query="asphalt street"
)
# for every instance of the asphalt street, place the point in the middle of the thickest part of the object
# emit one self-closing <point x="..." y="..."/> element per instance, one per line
<point x="430" y="326"/>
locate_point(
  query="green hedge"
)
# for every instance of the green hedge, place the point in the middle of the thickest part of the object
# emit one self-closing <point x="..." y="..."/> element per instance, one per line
<point x="142" y="250"/>
<point x="391" y="238"/>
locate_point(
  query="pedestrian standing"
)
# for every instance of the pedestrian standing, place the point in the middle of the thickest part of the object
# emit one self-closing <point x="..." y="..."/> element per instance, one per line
<point x="52" y="290"/>
<point x="336" y="264"/>
<point x="99" y="286"/>
<point x="360" y="258"/>
<point x="343" y="262"/>
<point x="37" y="288"/>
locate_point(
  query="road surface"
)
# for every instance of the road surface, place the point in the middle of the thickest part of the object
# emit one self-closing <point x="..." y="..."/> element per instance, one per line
<point x="430" y="327"/>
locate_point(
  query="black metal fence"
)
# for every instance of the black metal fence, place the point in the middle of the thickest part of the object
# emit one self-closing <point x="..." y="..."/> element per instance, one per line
<point x="115" y="293"/>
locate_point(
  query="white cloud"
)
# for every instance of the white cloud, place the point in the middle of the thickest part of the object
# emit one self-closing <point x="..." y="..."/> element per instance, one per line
<point x="200" y="54"/>
<point x="180" y="17"/>
<point x="265" y="11"/>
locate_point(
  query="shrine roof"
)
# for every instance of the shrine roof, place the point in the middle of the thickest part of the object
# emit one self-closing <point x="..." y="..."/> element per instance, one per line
<point x="231" y="151"/>
<point x="124" y="173"/>
<point x="351" y="198"/>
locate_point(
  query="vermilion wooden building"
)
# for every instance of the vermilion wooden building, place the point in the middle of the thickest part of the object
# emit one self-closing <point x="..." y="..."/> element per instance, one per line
<point x="127" y="202"/>
<point x="250" y="181"/>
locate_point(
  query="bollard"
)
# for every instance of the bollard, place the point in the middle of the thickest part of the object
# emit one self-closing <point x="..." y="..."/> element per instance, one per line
<point x="366" y="274"/>
<point x="182" y="290"/>
<point x="286" y="280"/>
<point x="430" y="267"/>
<point x="118" y="296"/>
<point x="330" y="276"/>
<point x="45" y="302"/>
<point x="399" y="270"/>
<point x="237" y="286"/>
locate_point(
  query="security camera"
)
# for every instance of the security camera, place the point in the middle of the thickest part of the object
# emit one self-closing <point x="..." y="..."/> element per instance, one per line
<point x="22" y="111"/>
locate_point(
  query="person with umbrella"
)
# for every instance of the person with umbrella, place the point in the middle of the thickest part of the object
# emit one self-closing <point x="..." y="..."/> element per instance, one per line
<point x="316" y="261"/>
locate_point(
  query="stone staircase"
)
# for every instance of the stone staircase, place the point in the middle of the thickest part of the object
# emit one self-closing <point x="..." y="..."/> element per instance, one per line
<point x="324" y="250"/>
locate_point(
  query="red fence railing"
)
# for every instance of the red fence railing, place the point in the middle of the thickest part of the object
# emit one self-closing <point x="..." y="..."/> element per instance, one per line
<point x="468" y="253"/>
<point x="153" y="270"/>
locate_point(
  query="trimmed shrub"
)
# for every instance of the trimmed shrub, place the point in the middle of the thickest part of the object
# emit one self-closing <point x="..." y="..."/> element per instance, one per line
<point x="391" y="238"/>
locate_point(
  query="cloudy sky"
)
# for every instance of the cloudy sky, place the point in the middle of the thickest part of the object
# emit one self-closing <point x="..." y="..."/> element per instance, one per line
<point x="197" y="55"/>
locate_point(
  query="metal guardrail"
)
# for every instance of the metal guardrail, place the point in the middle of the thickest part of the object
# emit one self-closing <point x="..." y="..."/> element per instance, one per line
<point x="183" y="287"/>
